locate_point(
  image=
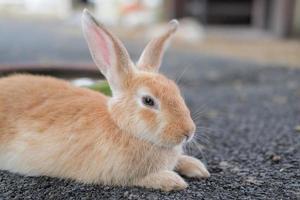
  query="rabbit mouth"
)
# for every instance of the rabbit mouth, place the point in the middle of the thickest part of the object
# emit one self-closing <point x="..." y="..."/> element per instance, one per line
<point x="188" y="137"/>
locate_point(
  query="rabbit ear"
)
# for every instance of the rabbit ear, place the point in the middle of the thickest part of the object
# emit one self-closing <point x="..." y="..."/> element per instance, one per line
<point x="107" y="51"/>
<point x="151" y="57"/>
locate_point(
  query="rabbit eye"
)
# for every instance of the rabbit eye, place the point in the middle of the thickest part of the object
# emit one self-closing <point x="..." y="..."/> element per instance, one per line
<point x="148" y="101"/>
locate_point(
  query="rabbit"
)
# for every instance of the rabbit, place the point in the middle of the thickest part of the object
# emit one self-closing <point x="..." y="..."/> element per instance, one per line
<point x="49" y="127"/>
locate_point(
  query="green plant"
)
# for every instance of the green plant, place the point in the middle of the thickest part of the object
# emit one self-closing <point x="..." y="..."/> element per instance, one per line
<point x="102" y="87"/>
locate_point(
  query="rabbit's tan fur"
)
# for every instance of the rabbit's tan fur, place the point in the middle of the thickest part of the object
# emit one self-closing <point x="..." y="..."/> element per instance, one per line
<point x="49" y="127"/>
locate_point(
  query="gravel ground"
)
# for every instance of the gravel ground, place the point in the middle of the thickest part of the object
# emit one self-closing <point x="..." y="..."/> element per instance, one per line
<point x="248" y="130"/>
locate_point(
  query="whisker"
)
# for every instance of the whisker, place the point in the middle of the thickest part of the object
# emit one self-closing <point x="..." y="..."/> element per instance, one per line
<point x="187" y="148"/>
<point x="202" y="128"/>
<point x="203" y="141"/>
<point x="199" y="146"/>
<point x="178" y="78"/>
<point x="196" y="148"/>
<point x="199" y="113"/>
<point x="204" y="133"/>
<point x="202" y="108"/>
<point x="199" y="142"/>
<point x="200" y="149"/>
<point x="198" y="117"/>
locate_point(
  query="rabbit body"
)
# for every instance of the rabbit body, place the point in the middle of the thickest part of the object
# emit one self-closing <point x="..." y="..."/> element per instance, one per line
<point x="49" y="127"/>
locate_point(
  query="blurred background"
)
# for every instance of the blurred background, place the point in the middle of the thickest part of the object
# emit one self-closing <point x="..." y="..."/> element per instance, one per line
<point x="48" y="31"/>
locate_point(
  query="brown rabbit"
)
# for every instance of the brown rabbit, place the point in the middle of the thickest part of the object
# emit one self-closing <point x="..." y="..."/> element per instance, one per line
<point x="49" y="127"/>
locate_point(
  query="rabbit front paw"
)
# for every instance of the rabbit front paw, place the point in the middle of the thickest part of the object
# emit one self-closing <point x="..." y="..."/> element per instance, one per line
<point x="164" y="180"/>
<point x="191" y="167"/>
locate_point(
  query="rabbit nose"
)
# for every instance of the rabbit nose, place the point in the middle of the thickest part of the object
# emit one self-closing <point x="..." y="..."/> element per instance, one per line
<point x="188" y="132"/>
<point x="188" y="136"/>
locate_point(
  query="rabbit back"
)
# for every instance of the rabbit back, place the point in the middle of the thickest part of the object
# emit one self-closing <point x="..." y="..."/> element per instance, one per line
<point x="43" y="118"/>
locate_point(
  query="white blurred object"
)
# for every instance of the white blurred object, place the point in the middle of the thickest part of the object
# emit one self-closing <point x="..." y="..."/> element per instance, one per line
<point x="83" y="82"/>
<point x="49" y="7"/>
<point x="60" y="8"/>
<point x="127" y="12"/>
<point x="11" y="2"/>
<point x="189" y="31"/>
<point x="138" y="18"/>
<point x="107" y="11"/>
<point x="135" y="13"/>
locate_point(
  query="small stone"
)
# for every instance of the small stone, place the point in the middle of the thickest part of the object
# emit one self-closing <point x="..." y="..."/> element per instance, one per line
<point x="106" y="188"/>
<point x="275" y="158"/>
<point x="126" y="194"/>
<point x="216" y="169"/>
<point x="253" y="180"/>
<point x="297" y="128"/>
<point x="132" y="196"/>
<point x="281" y="170"/>
<point x="224" y="164"/>
<point x="235" y="169"/>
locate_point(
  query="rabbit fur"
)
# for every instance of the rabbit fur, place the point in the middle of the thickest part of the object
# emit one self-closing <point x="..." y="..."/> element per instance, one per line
<point x="50" y="127"/>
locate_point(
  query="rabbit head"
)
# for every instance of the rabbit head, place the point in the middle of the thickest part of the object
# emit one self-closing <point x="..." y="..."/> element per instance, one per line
<point x="143" y="103"/>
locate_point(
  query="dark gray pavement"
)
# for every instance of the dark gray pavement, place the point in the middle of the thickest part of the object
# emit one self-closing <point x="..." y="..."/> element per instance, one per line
<point x="248" y="121"/>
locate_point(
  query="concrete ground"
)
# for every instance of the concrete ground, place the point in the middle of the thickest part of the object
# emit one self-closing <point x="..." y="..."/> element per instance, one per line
<point x="249" y="124"/>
